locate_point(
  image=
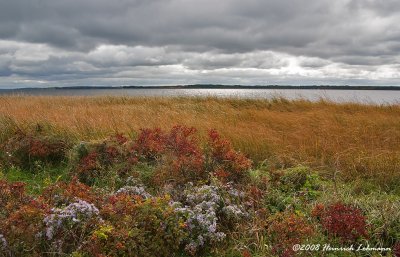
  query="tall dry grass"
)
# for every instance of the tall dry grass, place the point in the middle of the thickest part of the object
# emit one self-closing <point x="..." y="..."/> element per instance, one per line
<point x="353" y="139"/>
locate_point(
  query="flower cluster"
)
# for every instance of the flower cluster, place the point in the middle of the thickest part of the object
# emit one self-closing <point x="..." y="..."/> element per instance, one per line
<point x="134" y="190"/>
<point x="3" y="242"/>
<point x="75" y="213"/>
<point x="204" y="208"/>
<point x="149" y="227"/>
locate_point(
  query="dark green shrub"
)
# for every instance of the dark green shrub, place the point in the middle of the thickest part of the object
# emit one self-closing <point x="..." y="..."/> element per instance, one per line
<point x="300" y="180"/>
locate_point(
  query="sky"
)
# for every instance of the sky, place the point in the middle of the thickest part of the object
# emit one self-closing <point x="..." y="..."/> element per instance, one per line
<point x="46" y="43"/>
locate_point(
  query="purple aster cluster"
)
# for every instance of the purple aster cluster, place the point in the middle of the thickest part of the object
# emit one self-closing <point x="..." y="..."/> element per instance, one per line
<point x="75" y="213"/>
<point x="3" y="242"/>
<point x="203" y="207"/>
<point x="134" y="190"/>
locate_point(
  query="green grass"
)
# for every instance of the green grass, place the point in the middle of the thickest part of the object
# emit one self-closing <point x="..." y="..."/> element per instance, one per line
<point x="38" y="180"/>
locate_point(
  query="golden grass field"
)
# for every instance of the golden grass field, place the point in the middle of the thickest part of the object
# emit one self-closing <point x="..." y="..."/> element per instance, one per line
<point x="354" y="140"/>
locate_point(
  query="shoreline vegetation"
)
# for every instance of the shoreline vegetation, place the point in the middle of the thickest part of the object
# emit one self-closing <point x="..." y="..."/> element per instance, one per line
<point x="117" y="176"/>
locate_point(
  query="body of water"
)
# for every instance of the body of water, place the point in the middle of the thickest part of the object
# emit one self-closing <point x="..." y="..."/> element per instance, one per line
<point x="359" y="96"/>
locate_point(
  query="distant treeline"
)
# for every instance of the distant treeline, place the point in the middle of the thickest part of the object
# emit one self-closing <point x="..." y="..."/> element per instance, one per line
<point x="221" y="86"/>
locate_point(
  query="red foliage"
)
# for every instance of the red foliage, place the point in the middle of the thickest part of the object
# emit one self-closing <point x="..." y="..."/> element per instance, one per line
<point x="15" y="190"/>
<point x="177" y="153"/>
<point x="318" y="210"/>
<point x="150" y="143"/>
<point x="341" y="220"/>
<point x="254" y="196"/>
<point x="226" y="160"/>
<point x="182" y="142"/>
<point x="45" y="149"/>
<point x="119" y="138"/>
<point x="88" y="163"/>
<point x="396" y="249"/>
<point x="286" y="230"/>
<point x="12" y="196"/>
<point x="97" y="158"/>
<point x="137" y="228"/>
<point x="63" y="193"/>
<point x="246" y="253"/>
<point x="23" y="225"/>
<point x="187" y="158"/>
<point x="24" y="149"/>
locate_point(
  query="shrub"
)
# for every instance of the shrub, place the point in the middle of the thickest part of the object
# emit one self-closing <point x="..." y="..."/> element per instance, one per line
<point x="62" y="193"/>
<point x="277" y="201"/>
<point x="226" y="163"/>
<point x="12" y="195"/>
<point x="177" y="154"/>
<point x="396" y="249"/>
<point x="68" y="227"/>
<point x="22" y="229"/>
<point x="94" y="160"/>
<point x="300" y="180"/>
<point x="291" y="189"/>
<point x="25" y="150"/>
<point x="343" y="221"/>
<point x="207" y="209"/>
<point x="137" y="227"/>
<point x="287" y="229"/>
<point x="150" y="144"/>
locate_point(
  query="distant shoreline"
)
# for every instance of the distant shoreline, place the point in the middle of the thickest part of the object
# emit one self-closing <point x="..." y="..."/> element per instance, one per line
<point x="216" y="86"/>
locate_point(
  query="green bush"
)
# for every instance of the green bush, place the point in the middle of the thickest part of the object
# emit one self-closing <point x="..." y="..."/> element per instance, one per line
<point x="301" y="180"/>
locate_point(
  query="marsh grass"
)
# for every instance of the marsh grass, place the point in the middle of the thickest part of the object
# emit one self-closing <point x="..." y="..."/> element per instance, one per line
<point x="349" y="140"/>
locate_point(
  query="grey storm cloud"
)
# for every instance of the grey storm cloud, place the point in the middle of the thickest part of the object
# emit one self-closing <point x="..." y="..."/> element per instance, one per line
<point x="196" y="41"/>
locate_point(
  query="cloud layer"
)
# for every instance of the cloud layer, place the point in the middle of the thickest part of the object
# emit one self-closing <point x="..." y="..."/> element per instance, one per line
<point x="167" y="42"/>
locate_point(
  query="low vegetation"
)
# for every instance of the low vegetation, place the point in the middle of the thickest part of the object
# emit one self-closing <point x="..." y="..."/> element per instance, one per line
<point x="177" y="190"/>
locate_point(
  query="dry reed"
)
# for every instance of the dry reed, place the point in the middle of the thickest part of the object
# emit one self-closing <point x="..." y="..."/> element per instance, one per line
<point x="358" y="140"/>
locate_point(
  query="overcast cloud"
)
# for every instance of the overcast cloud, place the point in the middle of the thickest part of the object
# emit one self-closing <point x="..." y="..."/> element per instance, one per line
<point x="168" y="42"/>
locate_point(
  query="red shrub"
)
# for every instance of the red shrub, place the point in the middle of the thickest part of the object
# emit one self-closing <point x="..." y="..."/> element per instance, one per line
<point x="182" y="142"/>
<point x="341" y="220"/>
<point x="24" y="149"/>
<point x="225" y="161"/>
<point x="176" y="155"/>
<point x="95" y="159"/>
<point x="63" y="193"/>
<point x="89" y="163"/>
<point x="186" y="162"/>
<point x="287" y="229"/>
<point x="179" y="157"/>
<point x="22" y="227"/>
<point x="12" y="196"/>
<point x="396" y="249"/>
<point x="318" y="210"/>
<point x="149" y="144"/>
<point x="119" y="138"/>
